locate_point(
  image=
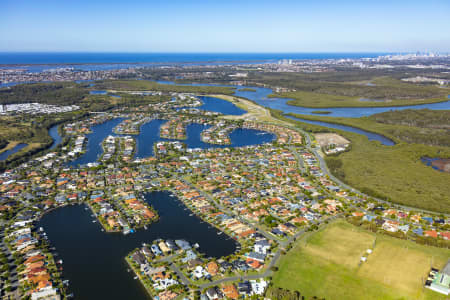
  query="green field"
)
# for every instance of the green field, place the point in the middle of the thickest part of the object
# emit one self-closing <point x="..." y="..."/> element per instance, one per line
<point x="145" y="85"/>
<point x="411" y="126"/>
<point x="247" y="90"/>
<point x="326" y="264"/>
<point x="394" y="173"/>
<point x="322" y="100"/>
<point x="349" y="88"/>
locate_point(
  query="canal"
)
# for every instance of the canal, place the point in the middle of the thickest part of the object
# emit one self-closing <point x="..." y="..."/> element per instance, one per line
<point x="149" y="134"/>
<point x="93" y="260"/>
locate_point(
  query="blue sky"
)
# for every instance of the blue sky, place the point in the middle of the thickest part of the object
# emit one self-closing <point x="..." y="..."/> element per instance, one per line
<point x="225" y="26"/>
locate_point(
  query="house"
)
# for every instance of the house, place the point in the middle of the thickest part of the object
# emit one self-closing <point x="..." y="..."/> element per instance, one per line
<point x="391" y="226"/>
<point x="171" y="245"/>
<point x="139" y="258"/>
<point x="162" y="245"/>
<point x="230" y="291"/>
<point x="244" y="288"/>
<point x="190" y="255"/>
<point x="431" y="233"/>
<point x="182" y="244"/>
<point x="256" y="256"/>
<point x="199" y="272"/>
<point x="46" y="293"/>
<point x="194" y="262"/>
<point x="262" y="246"/>
<point x="212" y="293"/>
<point x="258" y="288"/>
<point x="445" y="235"/>
<point x="212" y="268"/>
<point x="155" y="249"/>
<point x="166" y="295"/>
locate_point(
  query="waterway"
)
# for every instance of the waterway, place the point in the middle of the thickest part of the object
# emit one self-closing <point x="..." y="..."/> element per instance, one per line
<point x="220" y="105"/>
<point x="370" y="135"/>
<point x="93" y="260"/>
<point x="260" y="96"/>
<point x="4" y="155"/>
<point x="53" y="132"/>
<point x="94" y="142"/>
<point x="149" y="134"/>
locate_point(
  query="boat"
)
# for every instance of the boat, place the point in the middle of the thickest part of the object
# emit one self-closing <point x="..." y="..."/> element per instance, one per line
<point x="135" y="277"/>
<point x="219" y="233"/>
<point x="126" y="231"/>
<point x="145" y="227"/>
<point x="191" y="215"/>
<point x="93" y="221"/>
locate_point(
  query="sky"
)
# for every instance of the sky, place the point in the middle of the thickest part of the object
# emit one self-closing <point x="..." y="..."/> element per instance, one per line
<point x="224" y="26"/>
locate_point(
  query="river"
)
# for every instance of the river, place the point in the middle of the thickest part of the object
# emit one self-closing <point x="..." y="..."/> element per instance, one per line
<point x="5" y="154"/>
<point x="53" y="132"/>
<point x="260" y="96"/>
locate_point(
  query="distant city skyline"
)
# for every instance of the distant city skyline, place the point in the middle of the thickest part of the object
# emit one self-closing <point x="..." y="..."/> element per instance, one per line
<point x="233" y="26"/>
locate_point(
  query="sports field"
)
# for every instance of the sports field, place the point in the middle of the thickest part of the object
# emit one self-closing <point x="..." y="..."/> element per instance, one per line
<point x="326" y="264"/>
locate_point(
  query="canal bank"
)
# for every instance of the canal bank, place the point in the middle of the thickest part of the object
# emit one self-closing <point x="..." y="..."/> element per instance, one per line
<point x="94" y="260"/>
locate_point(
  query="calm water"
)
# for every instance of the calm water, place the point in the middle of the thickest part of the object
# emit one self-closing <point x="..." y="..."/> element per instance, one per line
<point x="124" y="58"/>
<point x="94" y="260"/>
<point x="149" y="134"/>
<point x="221" y="106"/>
<point x="260" y="96"/>
<point x="370" y="135"/>
<point x="98" y="92"/>
<point x="4" y="155"/>
<point x="53" y="132"/>
<point x="94" y="142"/>
<point x="349" y="112"/>
<point x="239" y="137"/>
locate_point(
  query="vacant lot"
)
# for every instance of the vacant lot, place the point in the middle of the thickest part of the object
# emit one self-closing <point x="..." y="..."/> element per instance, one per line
<point x="325" y="264"/>
<point x="325" y="139"/>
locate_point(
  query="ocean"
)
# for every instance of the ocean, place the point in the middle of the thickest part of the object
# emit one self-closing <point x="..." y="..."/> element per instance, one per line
<point x="68" y="58"/>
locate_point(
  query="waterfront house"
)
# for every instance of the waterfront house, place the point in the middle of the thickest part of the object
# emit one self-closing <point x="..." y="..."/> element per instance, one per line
<point x="212" y="268"/>
<point x="230" y="291"/>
